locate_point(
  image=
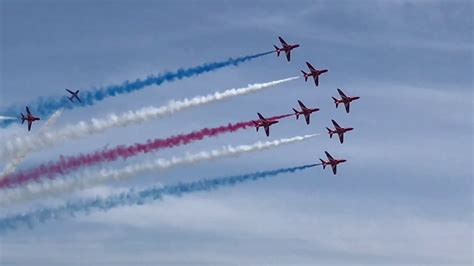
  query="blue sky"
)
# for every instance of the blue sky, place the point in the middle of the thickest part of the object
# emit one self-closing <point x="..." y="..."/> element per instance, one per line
<point x="403" y="197"/>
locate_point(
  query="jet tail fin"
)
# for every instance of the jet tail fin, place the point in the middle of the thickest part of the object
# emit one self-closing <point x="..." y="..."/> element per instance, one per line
<point x="296" y="113"/>
<point x="330" y="132"/>
<point x="256" y="125"/>
<point x="277" y="50"/>
<point x="335" y="101"/>
<point x="323" y="163"/>
<point x="22" y="118"/>
<point x="305" y="75"/>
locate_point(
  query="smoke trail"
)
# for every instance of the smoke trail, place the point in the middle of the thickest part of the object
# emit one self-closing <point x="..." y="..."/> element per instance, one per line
<point x="7" y="118"/>
<point x="11" y="166"/>
<point x="131" y="197"/>
<point x="129" y="118"/>
<point x="46" y="106"/>
<point x="92" y="178"/>
<point x="66" y="164"/>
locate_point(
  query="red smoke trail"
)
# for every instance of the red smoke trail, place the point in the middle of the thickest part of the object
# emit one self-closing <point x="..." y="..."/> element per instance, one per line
<point x="66" y="164"/>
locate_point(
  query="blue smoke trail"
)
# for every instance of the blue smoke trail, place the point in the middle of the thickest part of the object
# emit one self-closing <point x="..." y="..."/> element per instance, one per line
<point x="46" y="106"/>
<point x="132" y="197"/>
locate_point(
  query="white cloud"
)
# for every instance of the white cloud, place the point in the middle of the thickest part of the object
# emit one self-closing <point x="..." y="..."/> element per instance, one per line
<point x="247" y="229"/>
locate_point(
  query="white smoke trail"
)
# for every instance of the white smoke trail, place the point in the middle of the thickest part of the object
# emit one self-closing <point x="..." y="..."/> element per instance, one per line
<point x="11" y="166"/>
<point x="7" y="117"/>
<point x="46" y="139"/>
<point x="90" y="178"/>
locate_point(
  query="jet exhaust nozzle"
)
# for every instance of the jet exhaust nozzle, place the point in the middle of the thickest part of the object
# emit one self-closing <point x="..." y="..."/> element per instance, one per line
<point x="305" y="75"/>
<point x="330" y="132"/>
<point x="323" y="163"/>
<point x="277" y="50"/>
<point x="256" y="125"/>
<point x="296" y="113"/>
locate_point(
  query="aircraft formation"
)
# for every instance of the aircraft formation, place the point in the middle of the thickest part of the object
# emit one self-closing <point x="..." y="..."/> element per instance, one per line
<point x="266" y="123"/>
<point x="306" y="112"/>
<point x="54" y="174"/>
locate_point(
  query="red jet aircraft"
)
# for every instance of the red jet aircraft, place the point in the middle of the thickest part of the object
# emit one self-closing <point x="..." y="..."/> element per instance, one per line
<point x="338" y="130"/>
<point x="265" y="123"/>
<point x="332" y="162"/>
<point x="285" y="48"/>
<point x="313" y="72"/>
<point x="29" y="117"/>
<point x="73" y="95"/>
<point x="304" y="111"/>
<point x="346" y="100"/>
